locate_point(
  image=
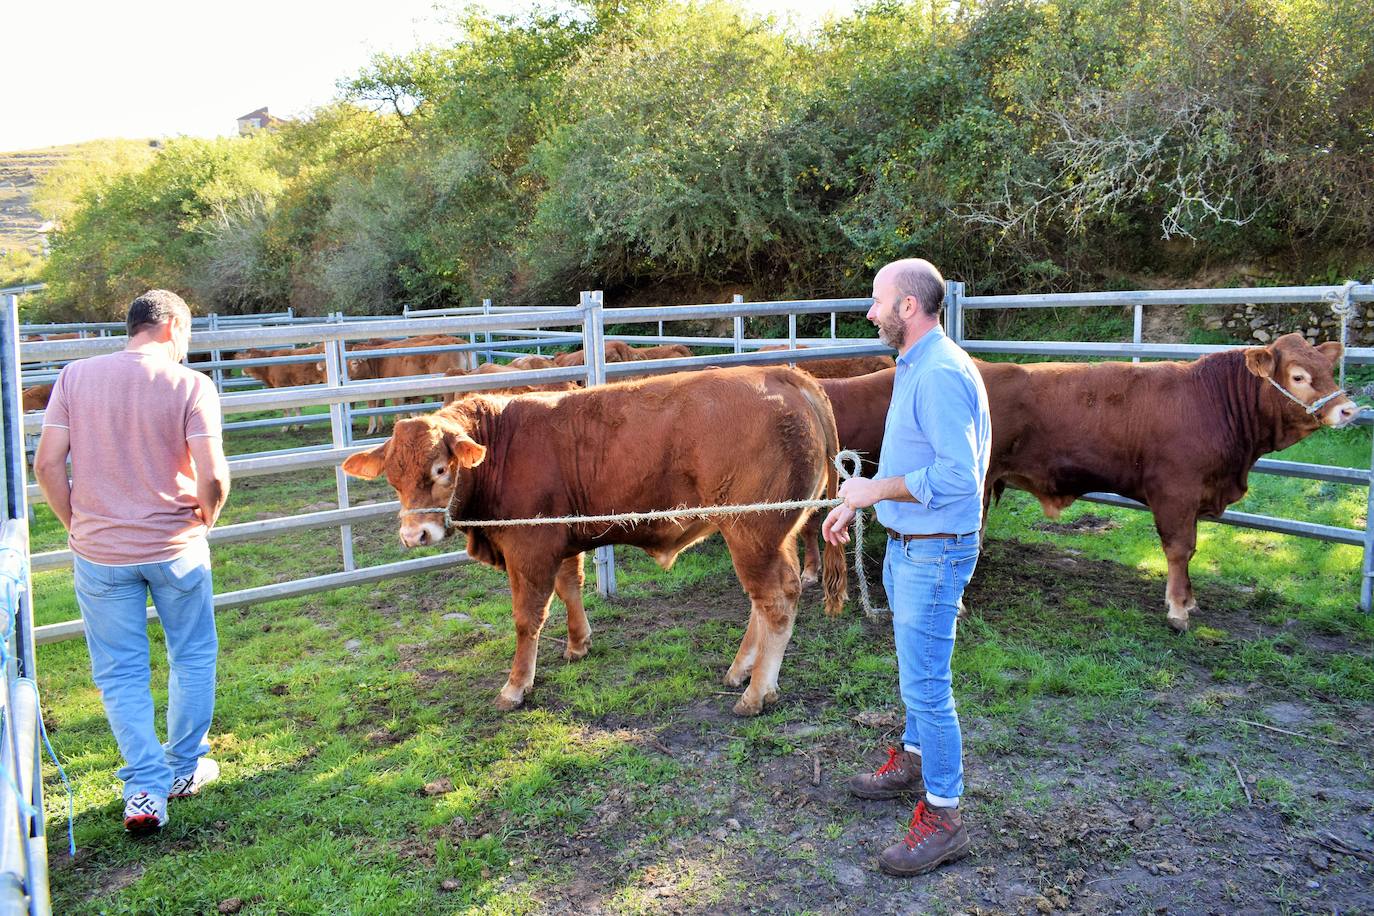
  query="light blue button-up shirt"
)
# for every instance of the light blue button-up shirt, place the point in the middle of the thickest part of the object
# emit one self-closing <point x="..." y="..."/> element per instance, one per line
<point x="937" y="438"/>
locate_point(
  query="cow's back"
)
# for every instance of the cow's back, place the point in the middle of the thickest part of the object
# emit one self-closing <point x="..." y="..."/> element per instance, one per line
<point x="722" y="436"/>
<point x="860" y="407"/>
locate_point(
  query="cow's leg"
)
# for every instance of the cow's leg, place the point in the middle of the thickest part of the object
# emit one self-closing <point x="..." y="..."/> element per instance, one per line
<point x="531" y="591"/>
<point x="811" y="534"/>
<point x="769" y="576"/>
<point x="1176" y="523"/>
<point x="568" y="585"/>
<point x="743" y="665"/>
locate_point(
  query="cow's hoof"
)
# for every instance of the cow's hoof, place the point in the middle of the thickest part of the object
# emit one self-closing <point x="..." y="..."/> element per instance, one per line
<point x="809" y="578"/>
<point x="770" y="697"/>
<point x="748" y="706"/>
<point x="573" y="653"/>
<point x="1178" y="624"/>
<point x="505" y="703"/>
<point x="735" y="679"/>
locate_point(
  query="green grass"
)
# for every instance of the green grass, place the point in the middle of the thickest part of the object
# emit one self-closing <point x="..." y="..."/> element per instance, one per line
<point x="327" y="749"/>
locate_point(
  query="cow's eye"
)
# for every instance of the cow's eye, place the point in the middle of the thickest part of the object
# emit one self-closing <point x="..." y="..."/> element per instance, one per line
<point x="440" y="471"/>
<point x="1299" y="378"/>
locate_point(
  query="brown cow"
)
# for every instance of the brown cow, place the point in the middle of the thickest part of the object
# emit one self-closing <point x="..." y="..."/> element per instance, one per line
<point x="495" y="368"/>
<point x="36" y="398"/>
<point x="532" y="361"/>
<point x="1180" y="437"/>
<point x="842" y="367"/>
<point x="405" y="365"/>
<point x="650" y="444"/>
<point x="617" y="351"/>
<point x="288" y="375"/>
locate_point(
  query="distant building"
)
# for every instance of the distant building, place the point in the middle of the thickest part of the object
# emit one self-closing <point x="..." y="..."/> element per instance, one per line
<point x="257" y="120"/>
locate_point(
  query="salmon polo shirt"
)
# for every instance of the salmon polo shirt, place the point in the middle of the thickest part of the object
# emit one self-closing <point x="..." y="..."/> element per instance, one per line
<point x="129" y="417"/>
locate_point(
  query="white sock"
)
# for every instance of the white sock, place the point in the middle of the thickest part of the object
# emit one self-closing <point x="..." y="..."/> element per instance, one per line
<point x="912" y="749"/>
<point x="939" y="802"/>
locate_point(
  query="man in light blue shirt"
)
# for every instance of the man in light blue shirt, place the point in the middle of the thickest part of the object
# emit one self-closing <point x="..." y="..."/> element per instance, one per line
<point x="928" y="490"/>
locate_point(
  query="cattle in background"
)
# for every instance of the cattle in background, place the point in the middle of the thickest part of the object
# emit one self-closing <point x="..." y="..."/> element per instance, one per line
<point x="36" y="398"/>
<point x="1180" y="437"/>
<point x="617" y="351"/>
<point x="286" y="375"/>
<point x="406" y="365"/>
<point x="532" y="361"/>
<point x="635" y="446"/>
<point x="841" y="367"/>
<point x="497" y="368"/>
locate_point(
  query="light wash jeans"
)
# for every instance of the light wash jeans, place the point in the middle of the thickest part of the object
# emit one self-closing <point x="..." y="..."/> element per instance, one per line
<point x="113" y="601"/>
<point x="924" y="580"/>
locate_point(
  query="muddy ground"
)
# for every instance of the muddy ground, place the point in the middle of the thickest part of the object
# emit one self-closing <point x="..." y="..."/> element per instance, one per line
<point x="1176" y="806"/>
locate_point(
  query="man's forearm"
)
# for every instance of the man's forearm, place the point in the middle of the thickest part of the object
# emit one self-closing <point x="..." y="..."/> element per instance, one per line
<point x="57" y="490"/>
<point x="211" y="493"/>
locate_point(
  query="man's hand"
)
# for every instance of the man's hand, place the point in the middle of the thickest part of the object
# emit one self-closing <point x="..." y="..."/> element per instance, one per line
<point x="835" y="528"/>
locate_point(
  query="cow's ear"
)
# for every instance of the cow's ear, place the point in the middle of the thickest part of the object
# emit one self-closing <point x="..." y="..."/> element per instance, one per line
<point x="1332" y="350"/>
<point x="367" y="465"/>
<point x="466" y="452"/>
<point x="1260" y="361"/>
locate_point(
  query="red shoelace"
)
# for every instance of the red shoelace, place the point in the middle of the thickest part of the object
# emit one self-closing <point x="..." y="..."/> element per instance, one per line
<point x="891" y="765"/>
<point x="924" y="824"/>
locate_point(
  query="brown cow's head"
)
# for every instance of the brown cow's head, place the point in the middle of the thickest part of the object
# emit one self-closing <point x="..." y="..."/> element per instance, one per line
<point x="1306" y="373"/>
<point x="257" y="372"/>
<point x="423" y="461"/>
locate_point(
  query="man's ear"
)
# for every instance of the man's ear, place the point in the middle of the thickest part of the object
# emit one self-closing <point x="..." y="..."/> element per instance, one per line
<point x="367" y="465"/>
<point x="1260" y="361"/>
<point x="1332" y="350"/>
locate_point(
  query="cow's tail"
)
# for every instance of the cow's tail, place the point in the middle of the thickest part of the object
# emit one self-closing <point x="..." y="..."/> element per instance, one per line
<point x="834" y="569"/>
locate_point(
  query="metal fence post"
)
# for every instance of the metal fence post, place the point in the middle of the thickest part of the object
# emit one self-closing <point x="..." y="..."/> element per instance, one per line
<point x="341" y="433"/>
<point x="486" y="335"/>
<point x="1137" y="330"/>
<point x="792" y="331"/>
<point x="594" y="357"/>
<point x="954" y="311"/>
<point x="217" y="373"/>
<point x="1367" y="564"/>
<point x="738" y="299"/>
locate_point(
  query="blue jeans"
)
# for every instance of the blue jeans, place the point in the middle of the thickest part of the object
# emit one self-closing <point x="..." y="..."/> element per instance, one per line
<point x="924" y="580"/>
<point x="113" y="601"/>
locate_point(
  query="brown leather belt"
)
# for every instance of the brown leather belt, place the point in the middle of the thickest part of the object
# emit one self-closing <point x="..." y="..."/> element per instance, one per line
<point x="907" y="538"/>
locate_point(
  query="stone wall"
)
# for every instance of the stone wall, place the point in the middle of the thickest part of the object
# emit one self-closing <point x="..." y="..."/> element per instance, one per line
<point x="1262" y="323"/>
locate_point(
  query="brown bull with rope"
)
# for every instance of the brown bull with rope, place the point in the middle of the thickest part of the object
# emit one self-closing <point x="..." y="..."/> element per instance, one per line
<point x="718" y="437"/>
<point x="1180" y="437"/>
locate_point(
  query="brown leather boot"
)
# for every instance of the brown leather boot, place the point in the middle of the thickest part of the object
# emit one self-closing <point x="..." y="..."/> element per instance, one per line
<point x="900" y="775"/>
<point x="936" y="836"/>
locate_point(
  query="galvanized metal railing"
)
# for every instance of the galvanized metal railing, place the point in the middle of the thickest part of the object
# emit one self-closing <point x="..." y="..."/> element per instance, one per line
<point x="590" y="318"/>
<point x="23" y="837"/>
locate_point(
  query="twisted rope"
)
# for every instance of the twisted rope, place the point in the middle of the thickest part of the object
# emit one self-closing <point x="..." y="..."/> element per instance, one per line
<point x="847" y="463"/>
<point x="1343" y="308"/>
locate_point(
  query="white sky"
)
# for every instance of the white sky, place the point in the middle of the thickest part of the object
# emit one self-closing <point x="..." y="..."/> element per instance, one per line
<point x="77" y="70"/>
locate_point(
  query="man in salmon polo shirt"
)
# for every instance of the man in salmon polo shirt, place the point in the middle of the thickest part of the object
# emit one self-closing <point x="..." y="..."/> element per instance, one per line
<point x="148" y="481"/>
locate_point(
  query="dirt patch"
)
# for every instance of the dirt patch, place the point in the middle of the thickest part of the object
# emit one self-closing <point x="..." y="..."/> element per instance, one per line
<point x="1170" y="804"/>
<point x="1084" y="524"/>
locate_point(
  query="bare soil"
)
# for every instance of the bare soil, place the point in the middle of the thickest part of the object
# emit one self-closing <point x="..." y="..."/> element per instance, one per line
<point x="1057" y="808"/>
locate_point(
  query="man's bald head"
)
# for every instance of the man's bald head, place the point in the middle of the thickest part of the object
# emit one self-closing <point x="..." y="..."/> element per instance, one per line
<point x="916" y="277"/>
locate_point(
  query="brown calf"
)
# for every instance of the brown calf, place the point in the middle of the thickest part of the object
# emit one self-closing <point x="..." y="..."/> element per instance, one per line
<point x="635" y="446"/>
<point x="843" y="367"/>
<point x="497" y="368"/>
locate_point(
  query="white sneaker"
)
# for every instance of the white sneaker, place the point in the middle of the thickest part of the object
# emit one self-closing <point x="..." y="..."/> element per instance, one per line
<point x="144" y="813"/>
<point x="206" y="772"/>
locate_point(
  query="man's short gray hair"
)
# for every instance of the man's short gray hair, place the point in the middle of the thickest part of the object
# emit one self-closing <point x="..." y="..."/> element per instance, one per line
<point x="919" y="278"/>
<point x="153" y="308"/>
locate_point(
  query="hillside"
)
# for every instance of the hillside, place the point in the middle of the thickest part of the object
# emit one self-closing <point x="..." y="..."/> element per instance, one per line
<point x="20" y="173"/>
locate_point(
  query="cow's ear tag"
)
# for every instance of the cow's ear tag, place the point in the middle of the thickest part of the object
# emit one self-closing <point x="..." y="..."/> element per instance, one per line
<point x="367" y="465"/>
<point x="1260" y="361"/>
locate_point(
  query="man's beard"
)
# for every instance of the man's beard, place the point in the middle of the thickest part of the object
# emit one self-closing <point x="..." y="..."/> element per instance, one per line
<point x="892" y="331"/>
